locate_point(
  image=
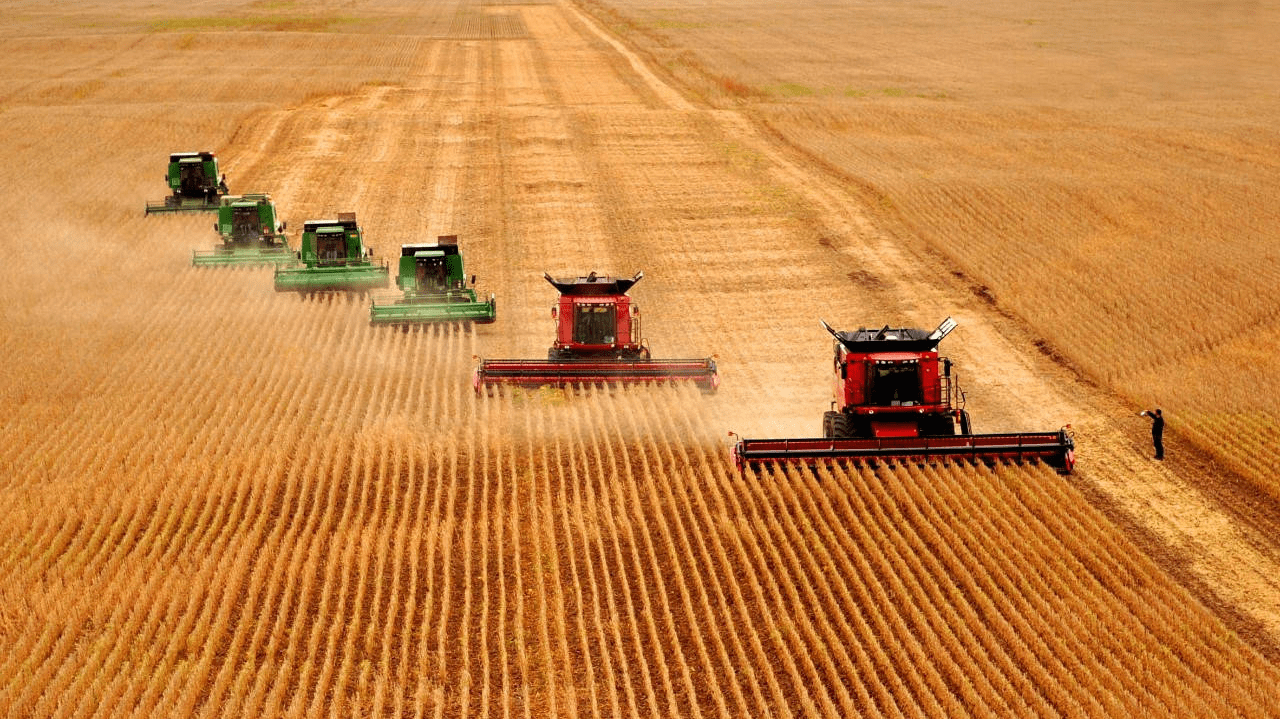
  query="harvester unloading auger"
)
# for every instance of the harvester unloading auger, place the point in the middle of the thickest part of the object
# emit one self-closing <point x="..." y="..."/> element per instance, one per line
<point x="435" y="289"/>
<point x="893" y="404"/>
<point x="333" y="258"/>
<point x="195" y="184"/>
<point x="598" y="341"/>
<point x="249" y="233"/>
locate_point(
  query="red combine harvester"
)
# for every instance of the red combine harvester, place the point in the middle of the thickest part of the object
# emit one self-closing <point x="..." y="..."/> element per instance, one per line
<point x="895" y="400"/>
<point x="597" y="341"/>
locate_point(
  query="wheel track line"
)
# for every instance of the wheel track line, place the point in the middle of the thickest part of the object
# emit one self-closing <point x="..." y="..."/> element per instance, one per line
<point x="665" y="92"/>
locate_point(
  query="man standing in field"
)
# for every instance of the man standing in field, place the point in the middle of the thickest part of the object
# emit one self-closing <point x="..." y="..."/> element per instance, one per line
<point x="1157" y="430"/>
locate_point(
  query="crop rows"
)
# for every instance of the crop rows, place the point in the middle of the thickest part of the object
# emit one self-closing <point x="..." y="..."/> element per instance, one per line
<point x="221" y="501"/>
<point x="369" y="537"/>
<point x="1134" y="237"/>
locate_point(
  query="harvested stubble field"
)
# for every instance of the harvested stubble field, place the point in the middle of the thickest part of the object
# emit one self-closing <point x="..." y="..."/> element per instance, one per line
<point x="220" y="501"/>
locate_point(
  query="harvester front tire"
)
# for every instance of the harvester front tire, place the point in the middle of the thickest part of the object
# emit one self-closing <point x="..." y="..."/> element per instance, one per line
<point x="840" y="426"/>
<point x="966" y="428"/>
<point x="829" y="424"/>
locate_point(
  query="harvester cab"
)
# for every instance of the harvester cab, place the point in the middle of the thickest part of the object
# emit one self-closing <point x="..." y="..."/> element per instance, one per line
<point x="897" y="400"/>
<point x="597" y="341"/>
<point x="434" y="288"/>
<point x="332" y="257"/>
<point x="194" y="183"/>
<point x="249" y="232"/>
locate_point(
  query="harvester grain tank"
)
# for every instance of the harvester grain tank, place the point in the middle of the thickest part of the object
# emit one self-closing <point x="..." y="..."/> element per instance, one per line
<point x="897" y="400"/>
<point x="249" y="232"/>
<point x="332" y="258"/>
<point x="435" y="289"/>
<point x="194" y="182"/>
<point x="598" y="341"/>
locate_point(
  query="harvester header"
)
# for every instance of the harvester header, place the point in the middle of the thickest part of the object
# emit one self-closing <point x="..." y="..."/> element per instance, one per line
<point x="895" y="399"/>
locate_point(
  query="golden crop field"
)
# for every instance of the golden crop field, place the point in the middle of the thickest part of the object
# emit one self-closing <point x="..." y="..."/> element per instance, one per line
<point x="1102" y="170"/>
<point x="223" y="501"/>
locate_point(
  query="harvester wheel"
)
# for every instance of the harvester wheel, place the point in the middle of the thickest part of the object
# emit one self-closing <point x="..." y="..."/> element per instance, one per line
<point x="965" y="427"/>
<point x="829" y="424"/>
<point x="840" y="426"/>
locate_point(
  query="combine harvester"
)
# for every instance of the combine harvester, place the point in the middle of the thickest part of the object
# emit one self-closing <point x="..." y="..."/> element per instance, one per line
<point x="334" y="258"/>
<point x="250" y="235"/>
<point x="193" y="177"/>
<point x="598" y="341"/>
<point x="435" y="289"/>
<point x="894" y="405"/>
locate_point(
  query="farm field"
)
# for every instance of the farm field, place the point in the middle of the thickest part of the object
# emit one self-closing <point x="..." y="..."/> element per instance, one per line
<point x="1103" y="171"/>
<point x="224" y="501"/>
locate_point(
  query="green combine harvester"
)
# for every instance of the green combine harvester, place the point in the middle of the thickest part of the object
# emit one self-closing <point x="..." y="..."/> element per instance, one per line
<point x="196" y="185"/>
<point x="435" y="289"/>
<point x="250" y="235"/>
<point x="333" y="258"/>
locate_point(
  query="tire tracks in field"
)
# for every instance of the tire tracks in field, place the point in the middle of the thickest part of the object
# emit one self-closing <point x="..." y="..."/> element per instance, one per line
<point x="1021" y="390"/>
